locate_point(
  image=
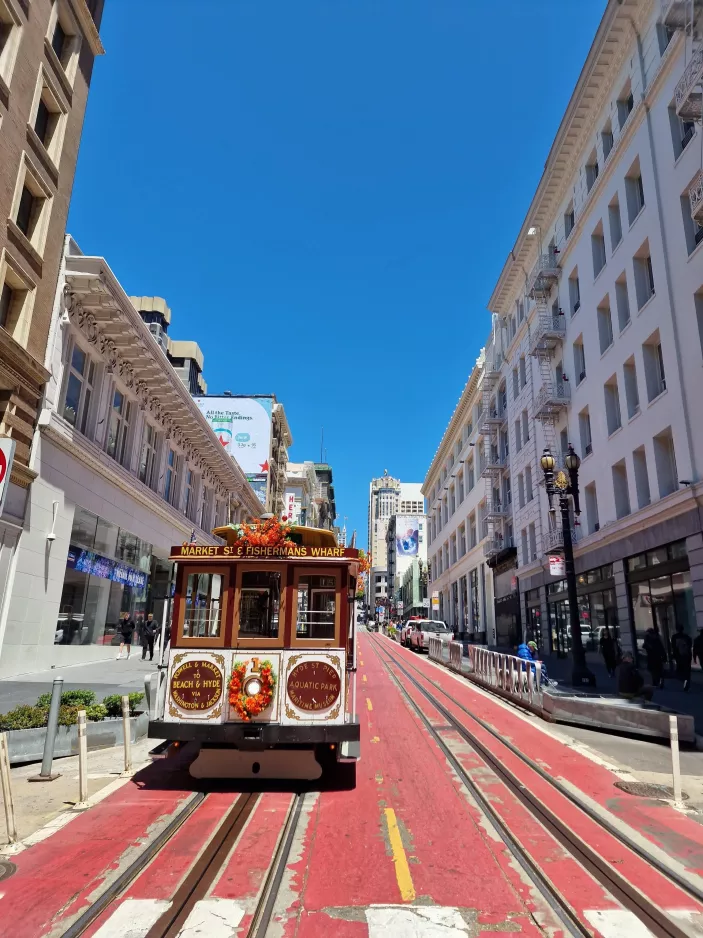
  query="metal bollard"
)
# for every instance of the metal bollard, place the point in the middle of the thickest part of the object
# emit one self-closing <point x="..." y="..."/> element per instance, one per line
<point x="82" y="762"/>
<point x="127" y="733"/>
<point x="6" y="785"/>
<point x="46" y="775"/>
<point x="675" y="763"/>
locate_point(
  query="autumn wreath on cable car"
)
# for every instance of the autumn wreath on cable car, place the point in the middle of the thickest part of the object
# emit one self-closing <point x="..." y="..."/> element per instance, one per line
<point x="251" y="693"/>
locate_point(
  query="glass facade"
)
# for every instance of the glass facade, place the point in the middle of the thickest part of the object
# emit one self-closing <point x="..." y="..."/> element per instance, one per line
<point x="107" y="573"/>
<point x="533" y="617"/>
<point x="597" y="609"/>
<point x="659" y="583"/>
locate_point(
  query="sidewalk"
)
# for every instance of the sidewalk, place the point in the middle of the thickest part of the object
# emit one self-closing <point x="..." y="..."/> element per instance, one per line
<point x="104" y="677"/>
<point x="673" y="695"/>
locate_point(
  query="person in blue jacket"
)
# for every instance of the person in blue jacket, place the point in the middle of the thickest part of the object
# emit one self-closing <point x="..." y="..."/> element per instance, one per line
<point x="529" y="651"/>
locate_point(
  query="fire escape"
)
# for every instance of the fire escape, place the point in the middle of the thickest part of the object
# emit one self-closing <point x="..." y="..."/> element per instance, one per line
<point x="546" y="335"/>
<point x="687" y="15"/>
<point x="493" y="417"/>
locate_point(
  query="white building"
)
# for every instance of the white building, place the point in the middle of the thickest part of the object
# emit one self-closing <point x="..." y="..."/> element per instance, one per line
<point x="600" y="343"/>
<point x="301" y="482"/>
<point x="384" y="501"/>
<point x="127" y="467"/>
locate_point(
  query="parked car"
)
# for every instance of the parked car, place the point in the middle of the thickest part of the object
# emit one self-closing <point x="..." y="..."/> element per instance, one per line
<point x="404" y="633"/>
<point x="422" y="630"/>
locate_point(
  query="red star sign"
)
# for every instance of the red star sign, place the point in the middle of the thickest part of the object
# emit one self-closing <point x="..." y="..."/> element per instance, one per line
<point x="264" y="466"/>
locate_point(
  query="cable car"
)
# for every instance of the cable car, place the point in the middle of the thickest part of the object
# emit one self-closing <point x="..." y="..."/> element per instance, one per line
<point x="261" y="669"/>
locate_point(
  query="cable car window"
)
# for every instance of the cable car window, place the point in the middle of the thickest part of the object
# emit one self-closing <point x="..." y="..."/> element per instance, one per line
<point x="317" y="606"/>
<point x="203" y="606"/>
<point x="259" y="604"/>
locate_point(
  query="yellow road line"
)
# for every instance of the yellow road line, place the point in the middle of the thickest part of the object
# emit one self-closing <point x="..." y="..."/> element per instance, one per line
<point x="363" y="678"/>
<point x="375" y="739"/>
<point x="369" y="704"/>
<point x="402" y="870"/>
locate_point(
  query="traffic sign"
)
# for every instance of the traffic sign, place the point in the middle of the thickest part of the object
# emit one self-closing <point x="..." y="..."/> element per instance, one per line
<point x="399" y="606"/>
<point x="7" y="453"/>
<point x="426" y="603"/>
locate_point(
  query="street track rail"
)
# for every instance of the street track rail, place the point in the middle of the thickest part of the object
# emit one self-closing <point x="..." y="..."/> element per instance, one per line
<point x="623" y="891"/>
<point x="684" y="881"/>
<point x="204" y="871"/>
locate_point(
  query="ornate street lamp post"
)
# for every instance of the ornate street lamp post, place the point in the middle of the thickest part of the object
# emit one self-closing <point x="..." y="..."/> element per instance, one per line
<point x="561" y="486"/>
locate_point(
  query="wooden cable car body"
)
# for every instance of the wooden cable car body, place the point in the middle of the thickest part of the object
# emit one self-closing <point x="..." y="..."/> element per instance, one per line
<point x="261" y="669"/>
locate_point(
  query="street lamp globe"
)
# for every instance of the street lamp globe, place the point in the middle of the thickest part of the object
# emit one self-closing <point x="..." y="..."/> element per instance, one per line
<point x="572" y="460"/>
<point x="547" y="461"/>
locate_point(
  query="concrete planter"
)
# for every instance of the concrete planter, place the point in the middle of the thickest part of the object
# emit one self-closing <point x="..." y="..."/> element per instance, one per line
<point x="28" y="745"/>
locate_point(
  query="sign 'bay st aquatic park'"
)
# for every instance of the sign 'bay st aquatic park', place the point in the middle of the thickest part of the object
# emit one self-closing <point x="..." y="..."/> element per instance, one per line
<point x="262" y="552"/>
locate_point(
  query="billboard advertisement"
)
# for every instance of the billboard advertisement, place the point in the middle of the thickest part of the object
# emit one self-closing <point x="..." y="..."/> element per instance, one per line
<point x="407" y="535"/>
<point x="243" y="427"/>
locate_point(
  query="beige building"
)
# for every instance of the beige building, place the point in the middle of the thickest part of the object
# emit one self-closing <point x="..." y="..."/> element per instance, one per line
<point x="47" y="50"/>
<point x="185" y="356"/>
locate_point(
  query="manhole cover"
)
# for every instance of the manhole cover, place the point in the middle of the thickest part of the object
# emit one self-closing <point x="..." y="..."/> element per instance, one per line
<point x="6" y="869"/>
<point x="646" y="790"/>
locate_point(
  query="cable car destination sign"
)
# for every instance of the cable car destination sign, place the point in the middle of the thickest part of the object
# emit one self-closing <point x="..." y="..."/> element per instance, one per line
<point x="263" y="552"/>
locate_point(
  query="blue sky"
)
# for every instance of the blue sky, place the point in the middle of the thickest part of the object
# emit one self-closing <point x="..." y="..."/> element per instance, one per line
<point x="325" y="192"/>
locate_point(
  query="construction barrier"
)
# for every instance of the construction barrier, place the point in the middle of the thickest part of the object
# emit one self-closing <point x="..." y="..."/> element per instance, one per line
<point x="514" y="676"/>
<point x="456" y="650"/>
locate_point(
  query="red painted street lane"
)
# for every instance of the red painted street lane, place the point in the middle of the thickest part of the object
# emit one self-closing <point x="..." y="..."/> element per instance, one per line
<point x="678" y="835"/>
<point x="409" y="851"/>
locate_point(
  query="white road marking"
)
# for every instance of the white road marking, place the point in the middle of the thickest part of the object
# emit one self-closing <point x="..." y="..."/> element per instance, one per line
<point x="403" y="921"/>
<point x="617" y="923"/>
<point x="133" y="918"/>
<point x="214" y="918"/>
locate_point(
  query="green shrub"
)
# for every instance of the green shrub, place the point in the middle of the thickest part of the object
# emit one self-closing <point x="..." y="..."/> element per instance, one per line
<point x="113" y="703"/>
<point x="70" y="698"/>
<point x="24" y="717"/>
<point x="96" y="713"/>
<point x="68" y="715"/>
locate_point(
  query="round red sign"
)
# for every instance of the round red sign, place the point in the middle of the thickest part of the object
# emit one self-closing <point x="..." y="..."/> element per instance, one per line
<point x="196" y="685"/>
<point x="314" y="685"/>
<point x="3" y="465"/>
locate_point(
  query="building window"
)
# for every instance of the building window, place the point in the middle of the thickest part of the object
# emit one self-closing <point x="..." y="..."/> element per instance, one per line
<point x="472" y="530"/>
<point x="612" y="405"/>
<point x="32" y="206"/>
<point x="470" y="480"/>
<point x="6" y="302"/>
<point x="523" y="372"/>
<point x="521" y="490"/>
<point x="190" y="494"/>
<point x="64" y="39"/>
<point x="118" y="430"/>
<point x="607" y="140"/>
<point x="585" y="432"/>
<point x="665" y="462"/>
<point x="579" y="360"/>
<point x="518" y="442"/>
<point x="621" y="489"/>
<point x="532" y="536"/>
<point x="622" y="301"/>
<point x="80" y="384"/>
<point x="569" y="220"/>
<point x="525" y="427"/>
<point x="147" y="457"/>
<point x="591" y="171"/>
<point x="10" y="29"/>
<point x="682" y="132"/>
<point x="529" y="494"/>
<point x="634" y="190"/>
<point x="523" y="544"/>
<point x="598" y="249"/>
<point x="626" y="103"/>
<point x="632" y="396"/>
<point x="605" y="325"/>
<point x="460" y="485"/>
<point x="644" y="275"/>
<point x="693" y="232"/>
<point x="639" y="461"/>
<point x="49" y="120"/>
<point x="462" y="540"/>
<point x="574" y="292"/>
<point x="654" y="374"/>
<point x="172" y="480"/>
<point x="615" y="223"/>
<point x="592" y="508"/>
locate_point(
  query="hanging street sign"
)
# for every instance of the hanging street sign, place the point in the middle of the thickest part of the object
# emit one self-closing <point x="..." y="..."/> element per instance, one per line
<point x="557" y="565"/>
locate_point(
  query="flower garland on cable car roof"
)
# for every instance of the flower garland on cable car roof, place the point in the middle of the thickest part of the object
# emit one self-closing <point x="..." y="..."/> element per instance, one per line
<point x="269" y="532"/>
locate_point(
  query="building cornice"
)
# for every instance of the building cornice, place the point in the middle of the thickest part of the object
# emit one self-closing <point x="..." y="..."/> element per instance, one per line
<point x="21" y="367"/>
<point x="88" y="27"/>
<point x="98" y="306"/>
<point x="84" y="451"/>
<point x="605" y="60"/>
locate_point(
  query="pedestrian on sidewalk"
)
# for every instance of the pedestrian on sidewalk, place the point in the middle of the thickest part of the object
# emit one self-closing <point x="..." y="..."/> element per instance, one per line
<point x="698" y="647"/>
<point x="656" y="655"/>
<point x="681" y="652"/>
<point x="609" y="650"/>
<point x="630" y="681"/>
<point x="127" y="627"/>
<point x="148" y="631"/>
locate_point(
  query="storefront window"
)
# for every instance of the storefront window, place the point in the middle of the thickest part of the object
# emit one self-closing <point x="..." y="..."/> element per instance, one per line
<point x="660" y="593"/>
<point x="259" y="604"/>
<point x="317" y="605"/>
<point x="99" y="584"/>
<point x="203" y="612"/>
<point x="475" y="607"/>
<point x="533" y="618"/>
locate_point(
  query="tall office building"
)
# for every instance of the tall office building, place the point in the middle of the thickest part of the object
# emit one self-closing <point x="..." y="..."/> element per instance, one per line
<point x="387" y="497"/>
<point x="47" y="51"/>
